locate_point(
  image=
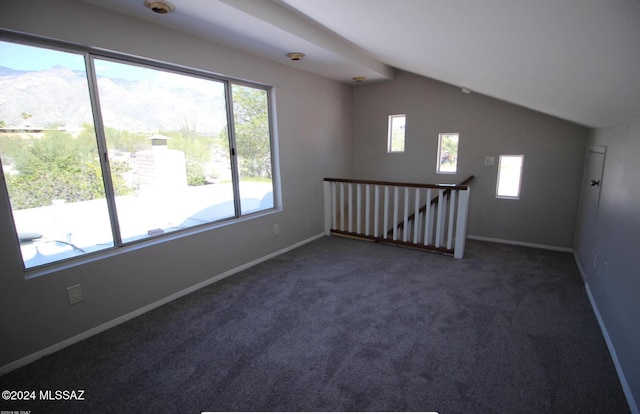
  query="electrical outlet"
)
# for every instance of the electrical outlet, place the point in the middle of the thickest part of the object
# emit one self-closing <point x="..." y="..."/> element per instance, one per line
<point x="276" y="229"/>
<point x="74" y="294"/>
<point x="488" y="161"/>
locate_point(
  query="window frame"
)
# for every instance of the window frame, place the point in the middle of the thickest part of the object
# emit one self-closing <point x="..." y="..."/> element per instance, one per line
<point x="520" y="173"/>
<point x="391" y="118"/>
<point x="90" y="54"/>
<point x="439" y="153"/>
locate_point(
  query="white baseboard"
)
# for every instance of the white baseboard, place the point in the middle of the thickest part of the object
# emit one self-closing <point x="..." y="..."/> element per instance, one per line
<point x="612" y="351"/>
<point x="519" y="243"/>
<point x="124" y="318"/>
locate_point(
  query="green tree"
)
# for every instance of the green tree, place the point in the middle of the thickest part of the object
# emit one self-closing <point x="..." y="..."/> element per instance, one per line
<point x="449" y="149"/>
<point x="125" y="141"/>
<point x="251" y="116"/>
<point x="9" y="145"/>
<point x="26" y="116"/>
<point x="196" y="148"/>
<point x="58" y="166"/>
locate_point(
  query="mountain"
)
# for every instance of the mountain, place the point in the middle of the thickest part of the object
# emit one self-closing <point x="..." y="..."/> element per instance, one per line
<point x="58" y="97"/>
<point x="4" y="71"/>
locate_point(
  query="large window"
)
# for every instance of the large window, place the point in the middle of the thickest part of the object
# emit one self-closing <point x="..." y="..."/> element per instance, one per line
<point x="98" y="152"/>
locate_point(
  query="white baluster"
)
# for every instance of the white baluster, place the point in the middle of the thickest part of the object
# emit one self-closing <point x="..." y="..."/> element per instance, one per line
<point x="452" y="205"/>
<point x="440" y="219"/>
<point x="405" y="226"/>
<point x="395" y="213"/>
<point x="334" y="205"/>
<point x="367" y="208"/>
<point x="416" y="217"/>
<point x="358" y="208"/>
<point x="328" y="201"/>
<point x="342" y="218"/>
<point x="461" y="223"/>
<point x="376" y="213"/>
<point x="350" y="206"/>
<point x="385" y="233"/>
<point x="427" y="220"/>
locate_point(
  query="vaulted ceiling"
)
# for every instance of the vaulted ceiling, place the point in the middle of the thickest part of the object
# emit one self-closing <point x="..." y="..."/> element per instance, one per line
<point x="575" y="59"/>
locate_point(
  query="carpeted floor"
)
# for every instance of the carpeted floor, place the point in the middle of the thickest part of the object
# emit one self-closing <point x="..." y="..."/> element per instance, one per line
<point x="345" y="325"/>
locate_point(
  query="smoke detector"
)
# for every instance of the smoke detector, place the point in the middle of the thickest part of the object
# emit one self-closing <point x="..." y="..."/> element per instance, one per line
<point x="295" y="56"/>
<point x="160" y="7"/>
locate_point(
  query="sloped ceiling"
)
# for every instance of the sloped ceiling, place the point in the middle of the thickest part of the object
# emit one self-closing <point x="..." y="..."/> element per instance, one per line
<point x="575" y="59"/>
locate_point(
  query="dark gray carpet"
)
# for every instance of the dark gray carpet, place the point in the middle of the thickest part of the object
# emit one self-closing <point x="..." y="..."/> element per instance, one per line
<point x="345" y="325"/>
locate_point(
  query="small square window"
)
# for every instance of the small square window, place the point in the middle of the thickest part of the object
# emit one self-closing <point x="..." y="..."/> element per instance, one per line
<point x="447" y="162"/>
<point x="395" y="140"/>
<point x="509" y="176"/>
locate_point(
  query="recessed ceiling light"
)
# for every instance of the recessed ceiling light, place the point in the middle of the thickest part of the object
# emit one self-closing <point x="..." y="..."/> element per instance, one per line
<point x="295" y="56"/>
<point x="160" y="7"/>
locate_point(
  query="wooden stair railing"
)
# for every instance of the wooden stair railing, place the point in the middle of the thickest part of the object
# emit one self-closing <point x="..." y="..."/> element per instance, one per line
<point x="358" y="208"/>
<point x="434" y="200"/>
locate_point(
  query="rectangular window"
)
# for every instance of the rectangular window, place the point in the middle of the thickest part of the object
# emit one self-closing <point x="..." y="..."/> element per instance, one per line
<point x="509" y="176"/>
<point x="395" y="138"/>
<point x="447" y="162"/>
<point x="101" y="152"/>
<point x="253" y="145"/>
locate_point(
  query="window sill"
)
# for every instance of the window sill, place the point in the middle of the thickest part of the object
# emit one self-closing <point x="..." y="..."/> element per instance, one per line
<point x="142" y="244"/>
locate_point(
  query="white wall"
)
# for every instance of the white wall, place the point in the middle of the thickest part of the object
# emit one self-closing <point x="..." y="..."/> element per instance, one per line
<point x="615" y="280"/>
<point x="553" y="154"/>
<point x="313" y="128"/>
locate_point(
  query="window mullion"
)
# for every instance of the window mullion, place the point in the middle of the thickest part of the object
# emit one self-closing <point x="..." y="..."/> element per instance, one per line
<point x="272" y="147"/>
<point x="102" y="150"/>
<point x="235" y="175"/>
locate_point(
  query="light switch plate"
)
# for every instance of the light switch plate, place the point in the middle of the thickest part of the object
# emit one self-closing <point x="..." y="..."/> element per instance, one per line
<point x="74" y="294"/>
<point x="489" y="161"/>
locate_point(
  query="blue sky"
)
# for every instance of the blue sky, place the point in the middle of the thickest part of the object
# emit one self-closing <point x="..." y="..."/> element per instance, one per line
<point x="29" y="58"/>
<point x="21" y="57"/>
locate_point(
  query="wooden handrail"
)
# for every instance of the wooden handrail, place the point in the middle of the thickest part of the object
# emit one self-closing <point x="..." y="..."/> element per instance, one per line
<point x="438" y="235"/>
<point x="399" y="184"/>
<point x="462" y="185"/>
